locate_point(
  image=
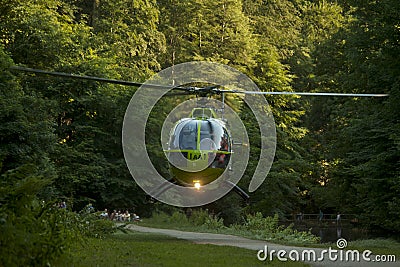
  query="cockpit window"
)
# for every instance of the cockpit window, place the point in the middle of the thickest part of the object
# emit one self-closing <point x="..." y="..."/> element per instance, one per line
<point x="213" y="136"/>
<point x="188" y="135"/>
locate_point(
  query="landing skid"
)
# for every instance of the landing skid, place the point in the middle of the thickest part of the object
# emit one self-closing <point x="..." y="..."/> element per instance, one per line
<point x="239" y="191"/>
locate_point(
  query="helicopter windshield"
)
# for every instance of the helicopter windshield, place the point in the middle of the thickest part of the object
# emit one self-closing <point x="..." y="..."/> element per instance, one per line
<point x="213" y="136"/>
<point x="187" y="135"/>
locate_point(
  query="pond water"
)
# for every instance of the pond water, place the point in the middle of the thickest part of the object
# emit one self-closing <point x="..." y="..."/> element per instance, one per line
<point x="348" y="232"/>
<point x="331" y="232"/>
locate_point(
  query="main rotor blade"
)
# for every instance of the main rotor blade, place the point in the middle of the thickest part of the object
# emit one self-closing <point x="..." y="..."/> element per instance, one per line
<point x="183" y="93"/>
<point x="193" y="90"/>
<point x="299" y="93"/>
<point x="97" y="79"/>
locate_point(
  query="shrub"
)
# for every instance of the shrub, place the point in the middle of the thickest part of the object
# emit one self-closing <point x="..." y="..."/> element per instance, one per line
<point x="90" y="225"/>
<point x="257" y="222"/>
<point x="32" y="233"/>
<point x="268" y="228"/>
<point x="179" y="218"/>
<point x="36" y="234"/>
<point x="199" y="217"/>
<point x="160" y="218"/>
<point x="214" y="223"/>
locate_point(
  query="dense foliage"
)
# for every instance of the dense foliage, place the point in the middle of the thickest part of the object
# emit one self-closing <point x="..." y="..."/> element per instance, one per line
<point x="61" y="138"/>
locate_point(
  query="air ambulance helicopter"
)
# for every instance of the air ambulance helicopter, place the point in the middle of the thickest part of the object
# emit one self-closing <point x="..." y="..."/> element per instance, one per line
<point x="200" y="145"/>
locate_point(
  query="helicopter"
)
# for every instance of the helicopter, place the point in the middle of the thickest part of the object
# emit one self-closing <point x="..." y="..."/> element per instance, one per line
<point x="203" y="141"/>
<point x="199" y="151"/>
<point x="200" y="145"/>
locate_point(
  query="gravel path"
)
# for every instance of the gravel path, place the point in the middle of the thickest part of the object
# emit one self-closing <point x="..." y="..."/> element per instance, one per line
<point x="257" y="245"/>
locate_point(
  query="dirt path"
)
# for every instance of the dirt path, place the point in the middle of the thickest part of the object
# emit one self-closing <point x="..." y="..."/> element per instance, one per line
<point x="257" y="245"/>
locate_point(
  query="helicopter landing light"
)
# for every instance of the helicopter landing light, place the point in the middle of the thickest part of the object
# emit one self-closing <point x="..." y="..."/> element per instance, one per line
<point x="197" y="184"/>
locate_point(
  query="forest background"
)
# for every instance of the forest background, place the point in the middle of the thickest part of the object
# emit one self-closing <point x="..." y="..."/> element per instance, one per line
<point x="61" y="138"/>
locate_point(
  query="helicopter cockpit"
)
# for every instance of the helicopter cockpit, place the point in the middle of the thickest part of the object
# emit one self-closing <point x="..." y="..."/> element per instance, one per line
<point x="192" y="134"/>
<point x="200" y="146"/>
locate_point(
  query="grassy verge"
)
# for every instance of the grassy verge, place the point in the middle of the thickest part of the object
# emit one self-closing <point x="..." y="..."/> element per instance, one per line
<point x="377" y="246"/>
<point x="143" y="249"/>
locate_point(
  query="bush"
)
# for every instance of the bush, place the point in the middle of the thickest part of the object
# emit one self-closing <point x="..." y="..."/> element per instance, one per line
<point x="214" y="223"/>
<point x="34" y="232"/>
<point x="160" y="218"/>
<point x="199" y="217"/>
<point x="268" y="228"/>
<point x="38" y="237"/>
<point x="90" y="225"/>
<point x="258" y="223"/>
<point x="179" y="218"/>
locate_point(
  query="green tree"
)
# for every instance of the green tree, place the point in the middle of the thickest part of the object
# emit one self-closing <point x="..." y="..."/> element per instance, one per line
<point x="275" y="23"/>
<point x="127" y="34"/>
<point x="283" y="189"/>
<point x="360" y="170"/>
<point x="276" y="26"/>
<point x="323" y="24"/>
<point x="86" y="116"/>
<point x="40" y="33"/>
<point x="32" y="231"/>
<point x="25" y="128"/>
<point x="214" y="31"/>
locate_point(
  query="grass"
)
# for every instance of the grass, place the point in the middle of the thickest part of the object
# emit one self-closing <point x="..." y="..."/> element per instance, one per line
<point x="144" y="249"/>
<point x="156" y="223"/>
<point x="377" y="246"/>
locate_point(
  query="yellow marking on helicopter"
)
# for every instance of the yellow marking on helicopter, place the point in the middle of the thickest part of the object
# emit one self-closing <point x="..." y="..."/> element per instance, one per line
<point x="204" y="177"/>
<point x="203" y="113"/>
<point x="196" y="156"/>
<point x="198" y="134"/>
